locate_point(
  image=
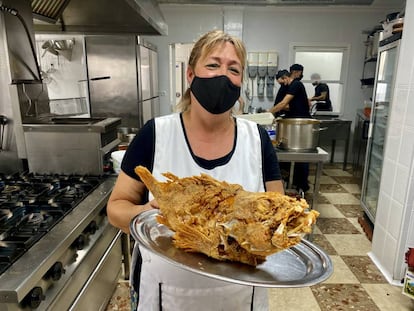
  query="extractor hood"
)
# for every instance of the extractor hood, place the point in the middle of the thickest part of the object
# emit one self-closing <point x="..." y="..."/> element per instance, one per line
<point x="270" y="2"/>
<point x="141" y="17"/>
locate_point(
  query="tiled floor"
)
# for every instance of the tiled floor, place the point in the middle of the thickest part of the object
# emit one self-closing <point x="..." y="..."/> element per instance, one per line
<point x="356" y="283"/>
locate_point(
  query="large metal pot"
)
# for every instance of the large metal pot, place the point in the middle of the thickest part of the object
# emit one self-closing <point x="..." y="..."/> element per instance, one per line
<point x="298" y="134"/>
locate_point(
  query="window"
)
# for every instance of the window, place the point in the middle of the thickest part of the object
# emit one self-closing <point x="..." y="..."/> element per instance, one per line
<point x="330" y="61"/>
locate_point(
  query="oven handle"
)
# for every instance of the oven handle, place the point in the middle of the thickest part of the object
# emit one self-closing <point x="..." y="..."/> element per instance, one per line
<point x="98" y="267"/>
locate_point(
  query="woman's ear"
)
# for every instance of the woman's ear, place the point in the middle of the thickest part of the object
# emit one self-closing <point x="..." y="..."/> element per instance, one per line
<point x="190" y="75"/>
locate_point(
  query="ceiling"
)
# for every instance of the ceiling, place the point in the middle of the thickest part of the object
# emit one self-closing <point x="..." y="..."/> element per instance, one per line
<point x="374" y="4"/>
<point x="145" y="16"/>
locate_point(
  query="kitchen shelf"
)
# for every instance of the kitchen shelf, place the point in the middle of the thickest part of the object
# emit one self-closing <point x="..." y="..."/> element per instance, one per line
<point x="378" y="144"/>
<point x="383" y="103"/>
<point x="377" y="148"/>
<point x="378" y="156"/>
<point x="375" y="173"/>
<point x="381" y="125"/>
<point x="372" y="203"/>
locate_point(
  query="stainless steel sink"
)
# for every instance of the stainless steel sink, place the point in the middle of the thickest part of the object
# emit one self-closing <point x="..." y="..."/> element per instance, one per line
<point x="82" y="121"/>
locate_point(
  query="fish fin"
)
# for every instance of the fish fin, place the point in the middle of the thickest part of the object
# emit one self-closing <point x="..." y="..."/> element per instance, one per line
<point x="193" y="240"/>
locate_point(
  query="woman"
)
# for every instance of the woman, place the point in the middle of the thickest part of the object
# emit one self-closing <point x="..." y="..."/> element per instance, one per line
<point x="204" y="137"/>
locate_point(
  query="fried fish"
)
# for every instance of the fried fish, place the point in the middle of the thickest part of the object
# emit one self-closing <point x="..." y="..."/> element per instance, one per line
<point x="223" y="221"/>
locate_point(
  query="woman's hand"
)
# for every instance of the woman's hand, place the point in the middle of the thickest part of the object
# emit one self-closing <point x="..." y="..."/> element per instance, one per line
<point x="151" y="205"/>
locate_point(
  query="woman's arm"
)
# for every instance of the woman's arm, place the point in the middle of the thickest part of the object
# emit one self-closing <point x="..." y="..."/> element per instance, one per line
<point x="275" y="186"/>
<point x="125" y="202"/>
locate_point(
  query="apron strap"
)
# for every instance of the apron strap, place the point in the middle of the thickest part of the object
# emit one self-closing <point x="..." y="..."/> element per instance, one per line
<point x="252" y="303"/>
<point x="160" y="295"/>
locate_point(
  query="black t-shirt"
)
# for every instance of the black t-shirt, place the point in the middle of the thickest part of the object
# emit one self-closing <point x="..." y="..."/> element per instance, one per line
<point x="326" y="104"/>
<point x="281" y="93"/>
<point x="299" y="105"/>
<point x="141" y="152"/>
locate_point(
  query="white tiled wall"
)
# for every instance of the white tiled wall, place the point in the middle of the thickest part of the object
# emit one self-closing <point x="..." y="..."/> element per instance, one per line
<point x="394" y="227"/>
<point x="410" y="208"/>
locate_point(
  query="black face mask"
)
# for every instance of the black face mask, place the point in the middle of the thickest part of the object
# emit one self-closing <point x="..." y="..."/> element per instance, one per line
<point x="300" y="77"/>
<point x="217" y="94"/>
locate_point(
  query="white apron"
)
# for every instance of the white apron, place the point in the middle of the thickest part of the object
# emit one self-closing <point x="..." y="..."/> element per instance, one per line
<point x="166" y="287"/>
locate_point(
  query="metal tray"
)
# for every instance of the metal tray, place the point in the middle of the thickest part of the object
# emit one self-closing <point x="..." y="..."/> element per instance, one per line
<point x="302" y="265"/>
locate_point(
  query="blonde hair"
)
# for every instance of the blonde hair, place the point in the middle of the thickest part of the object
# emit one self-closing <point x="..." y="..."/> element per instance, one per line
<point x="207" y="43"/>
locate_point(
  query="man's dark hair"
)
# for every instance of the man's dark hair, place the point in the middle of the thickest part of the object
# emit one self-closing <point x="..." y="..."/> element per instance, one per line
<point x="296" y="67"/>
<point x="282" y="73"/>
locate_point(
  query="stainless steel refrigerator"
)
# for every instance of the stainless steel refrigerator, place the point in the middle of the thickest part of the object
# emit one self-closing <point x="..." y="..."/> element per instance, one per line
<point x="122" y="78"/>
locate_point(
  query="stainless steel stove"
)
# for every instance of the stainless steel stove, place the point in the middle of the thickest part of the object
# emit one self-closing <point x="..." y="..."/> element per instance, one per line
<point x="57" y="249"/>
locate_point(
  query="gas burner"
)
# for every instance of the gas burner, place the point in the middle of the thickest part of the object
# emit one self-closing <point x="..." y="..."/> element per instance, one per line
<point x="31" y="205"/>
<point x="11" y="189"/>
<point x="5" y="214"/>
<point x="35" y="218"/>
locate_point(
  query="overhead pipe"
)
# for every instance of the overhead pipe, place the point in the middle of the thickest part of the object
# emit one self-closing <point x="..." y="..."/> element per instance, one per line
<point x="14" y="12"/>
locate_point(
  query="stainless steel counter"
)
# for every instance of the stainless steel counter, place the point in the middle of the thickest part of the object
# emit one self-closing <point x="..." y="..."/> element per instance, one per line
<point x="99" y="125"/>
<point x="317" y="157"/>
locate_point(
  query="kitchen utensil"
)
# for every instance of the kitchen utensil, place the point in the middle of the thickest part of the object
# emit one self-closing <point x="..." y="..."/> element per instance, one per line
<point x="131" y="136"/>
<point x="3" y="122"/>
<point x="298" y="134"/>
<point x="302" y="265"/>
<point x="122" y="133"/>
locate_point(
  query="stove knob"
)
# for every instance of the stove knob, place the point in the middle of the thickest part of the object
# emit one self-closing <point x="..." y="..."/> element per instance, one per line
<point x="79" y="243"/>
<point x="92" y="227"/>
<point x="55" y="272"/>
<point x="103" y="212"/>
<point x="34" y="298"/>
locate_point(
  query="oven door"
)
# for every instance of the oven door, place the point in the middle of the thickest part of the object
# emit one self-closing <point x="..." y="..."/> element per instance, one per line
<point x="95" y="278"/>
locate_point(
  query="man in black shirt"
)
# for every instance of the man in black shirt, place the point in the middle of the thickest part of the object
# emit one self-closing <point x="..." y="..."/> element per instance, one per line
<point x="282" y="77"/>
<point x="296" y="105"/>
<point x="321" y="97"/>
<point x="296" y="71"/>
<point x="295" y="102"/>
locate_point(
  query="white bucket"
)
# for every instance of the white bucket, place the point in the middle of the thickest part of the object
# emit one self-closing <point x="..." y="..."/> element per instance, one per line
<point x="117" y="157"/>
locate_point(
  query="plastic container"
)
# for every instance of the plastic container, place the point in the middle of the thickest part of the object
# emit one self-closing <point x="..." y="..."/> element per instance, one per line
<point x="264" y="118"/>
<point x="117" y="157"/>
